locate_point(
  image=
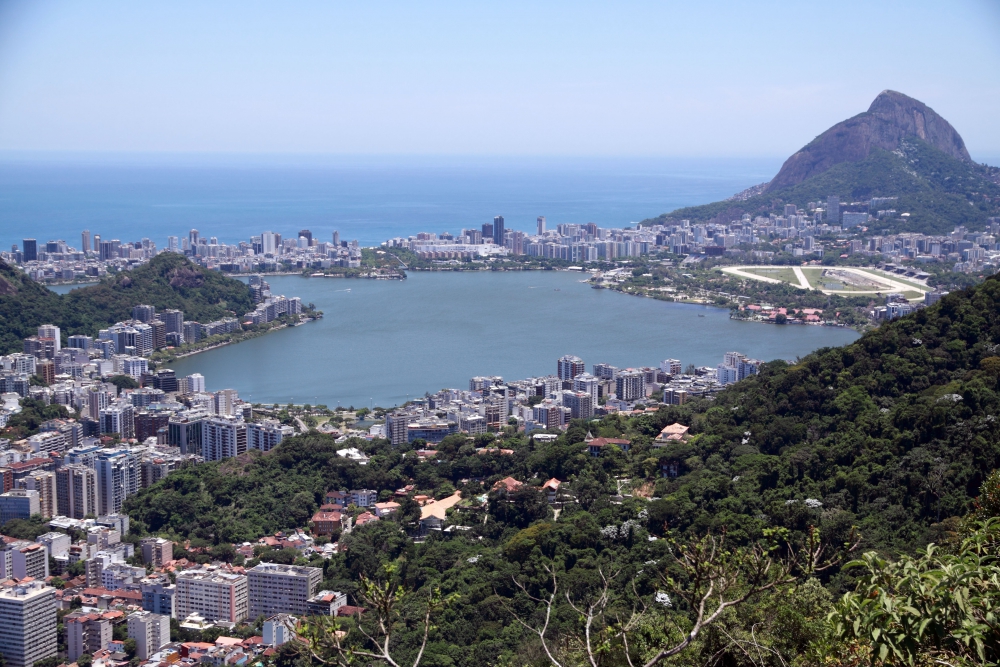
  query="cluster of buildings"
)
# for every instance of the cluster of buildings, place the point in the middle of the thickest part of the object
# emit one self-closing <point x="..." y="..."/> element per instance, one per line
<point x="795" y="231"/>
<point x="269" y="252"/>
<point x="165" y="410"/>
<point x="551" y="401"/>
<point x="57" y="261"/>
<point x="145" y="598"/>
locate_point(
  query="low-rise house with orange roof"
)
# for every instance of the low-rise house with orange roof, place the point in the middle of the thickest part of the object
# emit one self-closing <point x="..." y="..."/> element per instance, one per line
<point x="672" y="433"/>
<point x="363" y="518"/>
<point x="433" y="514"/>
<point x="551" y="489"/>
<point x="507" y="485"/>
<point x="385" y="509"/>
<point x="597" y="444"/>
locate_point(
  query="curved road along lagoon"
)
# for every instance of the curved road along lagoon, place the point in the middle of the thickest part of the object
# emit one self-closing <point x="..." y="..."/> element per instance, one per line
<point x="385" y="342"/>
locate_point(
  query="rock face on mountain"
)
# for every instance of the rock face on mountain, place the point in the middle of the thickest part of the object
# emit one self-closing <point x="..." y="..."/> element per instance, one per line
<point x="891" y="118"/>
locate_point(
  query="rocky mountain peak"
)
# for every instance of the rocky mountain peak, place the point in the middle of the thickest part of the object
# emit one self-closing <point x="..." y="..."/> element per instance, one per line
<point x="890" y="119"/>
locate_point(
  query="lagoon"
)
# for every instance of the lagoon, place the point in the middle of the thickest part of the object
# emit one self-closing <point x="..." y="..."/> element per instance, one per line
<point x="384" y="342"/>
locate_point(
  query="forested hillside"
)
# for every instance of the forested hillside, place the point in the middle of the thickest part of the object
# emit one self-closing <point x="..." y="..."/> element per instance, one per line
<point x="893" y="434"/>
<point x="167" y="281"/>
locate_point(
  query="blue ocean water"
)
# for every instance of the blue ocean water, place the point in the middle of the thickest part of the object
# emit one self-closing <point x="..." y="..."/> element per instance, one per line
<point x="366" y="198"/>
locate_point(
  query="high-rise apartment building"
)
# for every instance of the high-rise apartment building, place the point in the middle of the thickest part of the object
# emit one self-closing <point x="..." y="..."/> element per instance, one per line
<point x="671" y="366"/>
<point x="541" y="225"/>
<point x="225" y="402"/>
<point x="568" y="367"/>
<point x="85" y="240"/>
<point x="150" y="631"/>
<point x="29" y="250"/>
<point x="44" y="483"/>
<point x="118" y="418"/>
<point x="196" y="383"/>
<point x="278" y="589"/>
<point x="267" y="434"/>
<point x="630" y="385"/>
<point x="223" y="437"/>
<point x="143" y="313"/>
<point x="174" y="320"/>
<point x="76" y="491"/>
<point x="22" y="559"/>
<point x="51" y="331"/>
<point x="117" y="479"/>
<point x="588" y="383"/>
<point x="86" y="633"/>
<point x="498" y="230"/>
<point x="184" y="430"/>
<point x="18" y="504"/>
<point x="270" y="242"/>
<point x="27" y="623"/>
<point x="213" y="594"/>
<point x="833" y="210"/>
<point x="395" y="427"/>
<point x="580" y="403"/>
<point x="158" y="594"/>
<point x="157" y="551"/>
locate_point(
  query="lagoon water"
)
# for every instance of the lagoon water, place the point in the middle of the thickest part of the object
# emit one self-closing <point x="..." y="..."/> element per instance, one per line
<point x="384" y="342"/>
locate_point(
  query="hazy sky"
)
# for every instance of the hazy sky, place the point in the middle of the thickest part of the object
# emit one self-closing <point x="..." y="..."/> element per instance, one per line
<point x="521" y="78"/>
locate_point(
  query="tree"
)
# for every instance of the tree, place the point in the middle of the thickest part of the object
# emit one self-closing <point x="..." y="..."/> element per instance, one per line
<point x="705" y="578"/>
<point x="372" y="636"/>
<point x="519" y="508"/>
<point x="124" y="382"/>
<point x="940" y="606"/>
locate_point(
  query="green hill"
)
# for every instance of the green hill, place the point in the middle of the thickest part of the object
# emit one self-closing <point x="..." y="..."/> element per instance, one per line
<point x="167" y="281"/>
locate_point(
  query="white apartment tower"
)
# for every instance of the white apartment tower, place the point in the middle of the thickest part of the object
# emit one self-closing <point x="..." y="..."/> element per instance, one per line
<point x="117" y="479"/>
<point x="50" y="331"/>
<point x="282" y="589"/>
<point x="76" y="491"/>
<point x="150" y="631"/>
<point x="223" y="437"/>
<point x="215" y="595"/>
<point x="267" y="434"/>
<point x="27" y="623"/>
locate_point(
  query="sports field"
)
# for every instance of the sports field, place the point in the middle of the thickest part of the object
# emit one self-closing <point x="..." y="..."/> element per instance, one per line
<point x="843" y="280"/>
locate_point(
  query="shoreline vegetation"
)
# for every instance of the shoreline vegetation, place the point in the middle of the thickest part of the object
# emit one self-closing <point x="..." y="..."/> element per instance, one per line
<point x="222" y="340"/>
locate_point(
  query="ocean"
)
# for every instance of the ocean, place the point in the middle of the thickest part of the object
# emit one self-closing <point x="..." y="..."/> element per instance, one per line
<point x="370" y="199"/>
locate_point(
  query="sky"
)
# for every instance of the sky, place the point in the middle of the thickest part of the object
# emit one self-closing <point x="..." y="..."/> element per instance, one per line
<point x="705" y="78"/>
